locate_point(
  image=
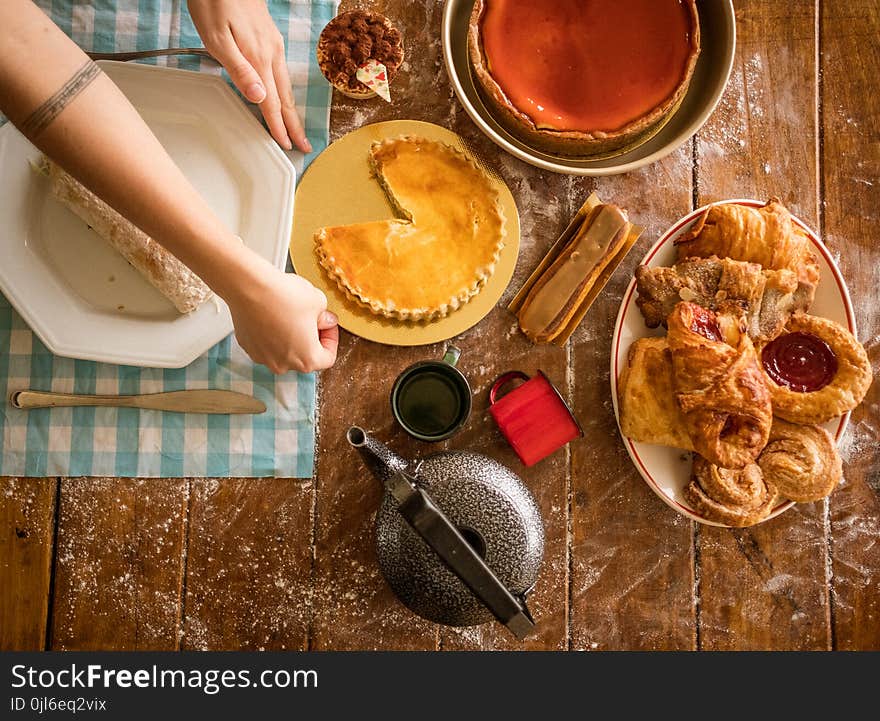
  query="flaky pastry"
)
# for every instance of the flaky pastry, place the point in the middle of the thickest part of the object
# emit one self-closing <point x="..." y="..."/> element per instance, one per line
<point x="734" y="497"/>
<point x="767" y="297"/>
<point x="816" y="370"/>
<point x="801" y="461"/>
<point x="719" y="386"/>
<point x="767" y="236"/>
<point x="648" y="410"/>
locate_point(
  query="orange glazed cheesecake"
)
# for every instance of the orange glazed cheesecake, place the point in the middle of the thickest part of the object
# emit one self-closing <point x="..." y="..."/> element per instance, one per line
<point x="583" y="77"/>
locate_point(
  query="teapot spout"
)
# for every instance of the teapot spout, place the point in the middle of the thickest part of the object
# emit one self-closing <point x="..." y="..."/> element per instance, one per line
<point x="379" y="458"/>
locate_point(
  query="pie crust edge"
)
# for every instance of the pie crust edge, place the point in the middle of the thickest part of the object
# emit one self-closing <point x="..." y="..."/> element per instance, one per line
<point x="569" y="142"/>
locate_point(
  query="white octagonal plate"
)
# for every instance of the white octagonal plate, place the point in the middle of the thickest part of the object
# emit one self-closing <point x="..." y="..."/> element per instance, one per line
<point x="79" y="295"/>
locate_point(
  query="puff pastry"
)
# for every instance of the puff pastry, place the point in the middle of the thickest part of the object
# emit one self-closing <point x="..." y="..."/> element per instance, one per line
<point x="442" y="249"/>
<point x="733" y="497"/>
<point x="767" y="236"/>
<point x="718" y="385"/>
<point x="807" y="385"/>
<point x="767" y="297"/>
<point x="801" y="461"/>
<point x="648" y="410"/>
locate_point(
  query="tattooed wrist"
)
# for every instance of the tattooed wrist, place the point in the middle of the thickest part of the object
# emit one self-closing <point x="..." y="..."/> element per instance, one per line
<point x="43" y="116"/>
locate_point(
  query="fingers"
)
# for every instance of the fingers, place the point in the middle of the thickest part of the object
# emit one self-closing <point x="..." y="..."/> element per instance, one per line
<point x="319" y="357"/>
<point x="329" y="339"/>
<point x="304" y="340"/>
<point x="321" y="295"/>
<point x="243" y="37"/>
<point x="271" y="110"/>
<point x="257" y="53"/>
<point x="292" y="122"/>
<point x="243" y="74"/>
<point x="327" y="320"/>
<point x="262" y="77"/>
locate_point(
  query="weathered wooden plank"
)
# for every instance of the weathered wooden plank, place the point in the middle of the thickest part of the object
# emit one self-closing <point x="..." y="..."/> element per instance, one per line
<point x="498" y="346"/>
<point x="850" y="61"/>
<point x="27" y="524"/>
<point x="119" y="564"/>
<point x="764" y="587"/>
<point x="353" y="606"/>
<point x="632" y="561"/>
<point x="248" y="564"/>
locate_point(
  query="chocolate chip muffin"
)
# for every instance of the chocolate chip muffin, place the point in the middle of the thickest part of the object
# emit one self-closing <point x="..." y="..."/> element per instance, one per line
<point x="352" y="38"/>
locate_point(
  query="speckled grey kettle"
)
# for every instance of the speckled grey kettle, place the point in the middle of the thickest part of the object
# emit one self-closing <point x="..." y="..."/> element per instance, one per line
<point x="459" y="536"/>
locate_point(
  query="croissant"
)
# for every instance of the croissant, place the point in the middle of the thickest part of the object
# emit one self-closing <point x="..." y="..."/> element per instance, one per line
<point x="766" y="235"/>
<point x="719" y="385"/>
<point x="733" y="497"/>
<point x="801" y="461"/>
<point x="766" y="296"/>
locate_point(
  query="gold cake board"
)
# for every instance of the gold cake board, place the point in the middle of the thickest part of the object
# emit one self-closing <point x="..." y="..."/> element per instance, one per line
<point x="338" y="189"/>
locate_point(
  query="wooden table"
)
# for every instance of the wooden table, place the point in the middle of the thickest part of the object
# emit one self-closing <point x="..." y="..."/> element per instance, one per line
<point x="269" y="564"/>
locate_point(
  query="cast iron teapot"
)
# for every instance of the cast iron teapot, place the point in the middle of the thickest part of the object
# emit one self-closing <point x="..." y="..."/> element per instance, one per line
<point x="460" y="538"/>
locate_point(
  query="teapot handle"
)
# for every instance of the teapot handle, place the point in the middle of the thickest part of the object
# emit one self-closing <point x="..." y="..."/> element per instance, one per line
<point x="417" y="508"/>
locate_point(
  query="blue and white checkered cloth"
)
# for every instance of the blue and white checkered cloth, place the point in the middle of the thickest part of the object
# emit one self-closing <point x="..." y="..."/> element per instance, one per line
<point x="129" y="442"/>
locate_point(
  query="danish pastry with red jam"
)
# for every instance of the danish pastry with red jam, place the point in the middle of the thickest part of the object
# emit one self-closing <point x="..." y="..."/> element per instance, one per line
<point x="816" y="370"/>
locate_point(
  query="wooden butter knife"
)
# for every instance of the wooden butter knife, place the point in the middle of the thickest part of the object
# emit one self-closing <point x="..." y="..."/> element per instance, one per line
<point x="193" y="401"/>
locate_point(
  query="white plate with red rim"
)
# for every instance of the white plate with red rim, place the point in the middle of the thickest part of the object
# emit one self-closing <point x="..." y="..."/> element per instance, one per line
<point x="667" y="470"/>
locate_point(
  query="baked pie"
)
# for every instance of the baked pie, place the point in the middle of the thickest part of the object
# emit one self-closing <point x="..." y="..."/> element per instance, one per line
<point x="577" y="78"/>
<point x="441" y="249"/>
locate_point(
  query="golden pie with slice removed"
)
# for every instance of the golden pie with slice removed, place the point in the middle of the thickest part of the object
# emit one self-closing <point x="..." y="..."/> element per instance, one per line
<point x="441" y="250"/>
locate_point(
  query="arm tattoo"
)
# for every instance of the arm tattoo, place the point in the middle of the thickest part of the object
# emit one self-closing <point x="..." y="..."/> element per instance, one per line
<point x="42" y="117"/>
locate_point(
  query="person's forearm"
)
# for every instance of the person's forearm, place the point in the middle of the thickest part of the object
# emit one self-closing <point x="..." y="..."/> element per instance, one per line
<point x="76" y="115"/>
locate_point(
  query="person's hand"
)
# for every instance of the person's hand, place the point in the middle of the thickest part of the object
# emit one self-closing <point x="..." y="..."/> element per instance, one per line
<point x="243" y="37"/>
<point x="284" y="324"/>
